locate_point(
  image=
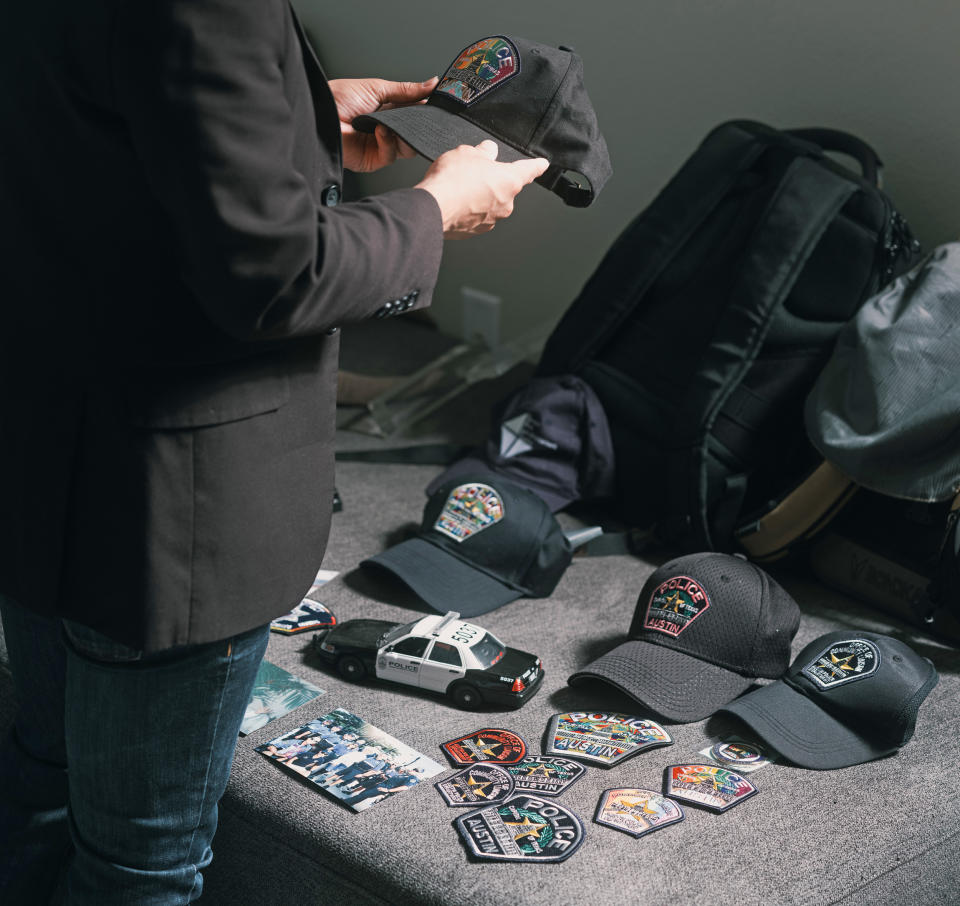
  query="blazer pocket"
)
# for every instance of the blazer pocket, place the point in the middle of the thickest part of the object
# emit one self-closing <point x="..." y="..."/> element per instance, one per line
<point x="212" y="395"/>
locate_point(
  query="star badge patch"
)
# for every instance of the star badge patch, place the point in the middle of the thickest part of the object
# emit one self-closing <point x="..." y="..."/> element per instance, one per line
<point x="522" y="829"/>
<point x="498" y="746"/>
<point x="707" y="785"/>
<point x="636" y="811"/>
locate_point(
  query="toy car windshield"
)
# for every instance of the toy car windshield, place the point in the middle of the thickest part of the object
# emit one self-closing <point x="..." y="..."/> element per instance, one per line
<point x="488" y="650"/>
<point x="397" y="632"/>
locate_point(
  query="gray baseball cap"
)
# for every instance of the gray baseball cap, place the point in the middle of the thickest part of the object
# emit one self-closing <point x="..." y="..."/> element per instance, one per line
<point x="885" y="410"/>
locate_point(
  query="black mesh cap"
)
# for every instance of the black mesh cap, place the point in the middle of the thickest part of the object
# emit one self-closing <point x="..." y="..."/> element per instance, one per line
<point x="484" y="541"/>
<point x="705" y="627"/>
<point x="849" y="697"/>
<point x="526" y="96"/>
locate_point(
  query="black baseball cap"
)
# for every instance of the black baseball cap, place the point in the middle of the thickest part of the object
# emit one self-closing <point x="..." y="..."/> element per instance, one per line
<point x="527" y="97"/>
<point x="705" y="627"/>
<point x="849" y="697"/>
<point x="484" y="541"/>
<point x="550" y="436"/>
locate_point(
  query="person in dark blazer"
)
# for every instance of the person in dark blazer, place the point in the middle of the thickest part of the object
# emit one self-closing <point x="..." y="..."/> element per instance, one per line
<point x="176" y="262"/>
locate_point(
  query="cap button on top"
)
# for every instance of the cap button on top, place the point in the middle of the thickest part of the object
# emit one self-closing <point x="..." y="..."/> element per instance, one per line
<point x="330" y="197"/>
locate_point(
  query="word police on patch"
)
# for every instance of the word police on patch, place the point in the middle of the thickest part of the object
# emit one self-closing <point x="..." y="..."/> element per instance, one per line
<point x="604" y="738"/>
<point x="522" y="829"/>
<point x="546" y="775"/>
<point x="712" y="787"/>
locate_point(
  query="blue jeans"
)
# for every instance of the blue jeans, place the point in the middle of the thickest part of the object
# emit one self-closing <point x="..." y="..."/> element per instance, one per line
<point x="111" y="773"/>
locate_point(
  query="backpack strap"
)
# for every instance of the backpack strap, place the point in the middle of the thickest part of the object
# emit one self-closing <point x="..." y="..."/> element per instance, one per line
<point x="797" y="516"/>
<point x="805" y="203"/>
<point x="648" y="244"/>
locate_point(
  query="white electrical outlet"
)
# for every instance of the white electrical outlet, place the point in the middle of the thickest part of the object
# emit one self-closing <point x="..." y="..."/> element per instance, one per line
<point x="480" y="316"/>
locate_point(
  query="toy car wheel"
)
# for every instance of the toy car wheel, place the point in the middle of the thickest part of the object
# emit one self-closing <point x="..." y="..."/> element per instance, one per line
<point x="351" y="668"/>
<point x="465" y="696"/>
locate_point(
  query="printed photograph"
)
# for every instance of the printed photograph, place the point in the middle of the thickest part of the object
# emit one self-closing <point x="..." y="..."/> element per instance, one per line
<point x="275" y="692"/>
<point x="350" y="759"/>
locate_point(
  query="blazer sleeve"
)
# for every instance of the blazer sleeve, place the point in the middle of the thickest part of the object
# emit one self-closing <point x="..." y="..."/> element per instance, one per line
<point x="199" y="85"/>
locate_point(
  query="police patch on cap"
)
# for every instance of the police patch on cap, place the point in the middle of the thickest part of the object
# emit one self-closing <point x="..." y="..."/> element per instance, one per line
<point x="546" y="775"/>
<point x="601" y="737"/>
<point x="478" y="784"/>
<point x="636" y="812"/>
<point x="499" y="746"/>
<point x="703" y="784"/>
<point x="480" y="68"/>
<point x="469" y="509"/>
<point x="522" y="829"/>
<point x="675" y="604"/>
<point x="843" y="662"/>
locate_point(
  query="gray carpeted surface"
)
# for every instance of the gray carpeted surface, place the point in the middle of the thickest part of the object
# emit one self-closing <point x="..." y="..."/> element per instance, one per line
<point x="862" y="834"/>
<point x="879" y="833"/>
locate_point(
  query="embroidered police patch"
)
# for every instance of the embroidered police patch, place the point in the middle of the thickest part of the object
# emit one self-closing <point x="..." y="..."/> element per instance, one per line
<point x="546" y="775"/>
<point x="843" y="662"/>
<point x="702" y="784"/>
<point x="522" y="829"/>
<point x="478" y="784"/>
<point x="480" y="68"/>
<point x="637" y="812"/>
<point x="492" y="744"/>
<point x="675" y="604"/>
<point x="469" y="509"/>
<point x="603" y="738"/>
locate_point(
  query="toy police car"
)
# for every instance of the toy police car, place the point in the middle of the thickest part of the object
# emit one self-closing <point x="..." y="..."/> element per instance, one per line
<point x="440" y="653"/>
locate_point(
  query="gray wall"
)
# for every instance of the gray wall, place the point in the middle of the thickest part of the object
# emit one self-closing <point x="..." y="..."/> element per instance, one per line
<point x="661" y="74"/>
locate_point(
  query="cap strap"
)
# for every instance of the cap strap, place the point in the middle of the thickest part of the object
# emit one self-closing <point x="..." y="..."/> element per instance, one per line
<point x="572" y="193"/>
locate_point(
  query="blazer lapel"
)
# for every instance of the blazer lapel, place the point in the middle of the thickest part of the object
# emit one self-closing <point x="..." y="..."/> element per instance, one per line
<point x="324" y="106"/>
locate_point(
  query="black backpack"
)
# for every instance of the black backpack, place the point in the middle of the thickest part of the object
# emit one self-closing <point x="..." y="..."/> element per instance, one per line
<point x="707" y="321"/>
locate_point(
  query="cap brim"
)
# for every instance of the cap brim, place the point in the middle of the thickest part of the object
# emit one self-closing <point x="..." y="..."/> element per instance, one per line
<point x="470" y="466"/>
<point x="801" y="731"/>
<point x="674" y="684"/>
<point x="445" y="582"/>
<point x="431" y="130"/>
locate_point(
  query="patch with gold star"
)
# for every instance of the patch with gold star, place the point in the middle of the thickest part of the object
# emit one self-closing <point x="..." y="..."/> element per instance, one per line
<point x="478" y="784"/>
<point x="675" y="604"/>
<point x="499" y="746"/>
<point x="843" y="662"/>
<point x="523" y="829"/>
<point x="546" y="775"/>
<point x="636" y="812"/>
<point x="707" y="785"/>
<point x="601" y="737"/>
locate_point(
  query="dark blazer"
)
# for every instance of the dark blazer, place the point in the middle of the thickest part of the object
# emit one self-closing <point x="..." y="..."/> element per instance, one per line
<point x="173" y="275"/>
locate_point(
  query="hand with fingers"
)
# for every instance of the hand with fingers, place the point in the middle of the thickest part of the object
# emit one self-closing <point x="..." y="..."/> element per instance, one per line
<point x="474" y="189"/>
<point x="365" y="152"/>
